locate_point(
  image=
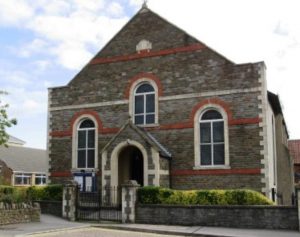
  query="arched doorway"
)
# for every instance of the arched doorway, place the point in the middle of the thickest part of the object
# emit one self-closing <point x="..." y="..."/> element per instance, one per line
<point x="131" y="165"/>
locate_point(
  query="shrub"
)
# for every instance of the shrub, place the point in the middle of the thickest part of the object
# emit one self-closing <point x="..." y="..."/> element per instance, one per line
<point x="148" y="195"/>
<point x="49" y="193"/>
<point x="9" y="194"/>
<point x="156" y="195"/>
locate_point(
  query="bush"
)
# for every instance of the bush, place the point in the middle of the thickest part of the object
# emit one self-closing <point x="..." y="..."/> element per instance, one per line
<point x="156" y="195"/>
<point x="46" y="193"/>
<point x="9" y="194"/>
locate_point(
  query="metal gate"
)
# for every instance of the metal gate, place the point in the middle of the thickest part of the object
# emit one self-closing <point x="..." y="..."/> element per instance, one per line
<point x="102" y="205"/>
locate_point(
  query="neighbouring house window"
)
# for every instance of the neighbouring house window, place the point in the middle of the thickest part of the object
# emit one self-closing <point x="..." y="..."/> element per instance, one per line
<point x="212" y="139"/>
<point x="86" y="144"/>
<point x="22" y="179"/>
<point x="40" y="179"/>
<point x="144" y="104"/>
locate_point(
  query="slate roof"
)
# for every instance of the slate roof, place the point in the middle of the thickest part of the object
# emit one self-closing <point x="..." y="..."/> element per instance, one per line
<point x="294" y="147"/>
<point x="145" y="135"/>
<point x="24" y="159"/>
<point x="15" y="141"/>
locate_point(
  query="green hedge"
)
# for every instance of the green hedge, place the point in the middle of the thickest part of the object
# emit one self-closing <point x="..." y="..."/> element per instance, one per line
<point x="47" y="193"/>
<point x="10" y="194"/>
<point x="156" y="195"/>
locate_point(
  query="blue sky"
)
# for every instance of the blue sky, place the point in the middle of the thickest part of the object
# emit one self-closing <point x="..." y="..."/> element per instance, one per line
<point x="45" y="43"/>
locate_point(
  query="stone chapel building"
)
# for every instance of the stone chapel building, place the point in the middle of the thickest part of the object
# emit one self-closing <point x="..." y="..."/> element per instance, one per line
<point x="160" y="107"/>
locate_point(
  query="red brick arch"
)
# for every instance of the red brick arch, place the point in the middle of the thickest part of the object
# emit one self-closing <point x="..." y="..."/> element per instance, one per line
<point x="215" y="101"/>
<point x="92" y="113"/>
<point x="144" y="75"/>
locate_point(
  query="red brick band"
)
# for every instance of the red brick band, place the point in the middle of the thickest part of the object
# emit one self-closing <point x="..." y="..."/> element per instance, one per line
<point x="232" y="122"/>
<point x="146" y="54"/>
<point x="254" y="171"/>
<point x="61" y="174"/>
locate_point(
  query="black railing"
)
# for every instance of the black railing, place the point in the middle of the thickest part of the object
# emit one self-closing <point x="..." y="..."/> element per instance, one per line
<point x="102" y="205"/>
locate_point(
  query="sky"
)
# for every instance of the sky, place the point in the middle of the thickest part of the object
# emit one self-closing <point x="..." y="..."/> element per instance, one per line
<point x="46" y="43"/>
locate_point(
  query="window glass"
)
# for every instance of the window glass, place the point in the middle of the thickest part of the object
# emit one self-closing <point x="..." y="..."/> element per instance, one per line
<point x="150" y="118"/>
<point x="144" y="104"/>
<point x="87" y="123"/>
<point x="211" y="114"/>
<point x="150" y="104"/>
<point x="81" y="159"/>
<point x="139" y="104"/>
<point x="219" y="154"/>
<point x="205" y="132"/>
<point x="205" y="155"/>
<point x="91" y="138"/>
<point x="81" y="139"/>
<point x="144" y="88"/>
<point x="212" y="139"/>
<point x="139" y="119"/>
<point x="18" y="181"/>
<point x="86" y="142"/>
<point x="40" y="179"/>
<point x="91" y="159"/>
<point x="218" y="131"/>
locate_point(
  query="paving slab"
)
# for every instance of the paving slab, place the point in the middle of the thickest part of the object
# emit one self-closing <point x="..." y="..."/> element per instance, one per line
<point x="47" y="223"/>
<point x="201" y="230"/>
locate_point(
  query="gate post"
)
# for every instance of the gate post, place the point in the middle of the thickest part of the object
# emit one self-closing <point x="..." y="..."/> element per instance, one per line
<point x="69" y="201"/>
<point x="128" y="201"/>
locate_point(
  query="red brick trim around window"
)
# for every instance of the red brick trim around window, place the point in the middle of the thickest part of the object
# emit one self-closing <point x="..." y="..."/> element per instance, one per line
<point x="144" y="75"/>
<point x="146" y="54"/>
<point x="87" y="112"/>
<point x="216" y="101"/>
<point x="254" y="171"/>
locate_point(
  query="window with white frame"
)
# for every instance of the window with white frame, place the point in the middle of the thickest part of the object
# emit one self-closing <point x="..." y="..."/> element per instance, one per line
<point x="144" y="104"/>
<point x="40" y="179"/>
<point x="86" y="144"/>
<point x="212" y="139"/>
<point x="22" y="179"/>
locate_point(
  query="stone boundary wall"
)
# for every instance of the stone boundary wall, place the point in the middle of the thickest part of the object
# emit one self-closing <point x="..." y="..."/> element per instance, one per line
<point x="51" y="207"/>
<point x="263" y="217"/>
<point x="18" y="213"/>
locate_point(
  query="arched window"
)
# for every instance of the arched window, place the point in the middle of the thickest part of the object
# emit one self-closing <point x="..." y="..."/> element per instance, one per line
<point x="144" y="104"/>
<point x="86" y="144"/>
<point x="212" y="138"/>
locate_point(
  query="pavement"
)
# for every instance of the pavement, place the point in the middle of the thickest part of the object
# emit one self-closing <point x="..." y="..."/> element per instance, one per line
<point x="50" y="224"/>
<point x="200" y="230"/>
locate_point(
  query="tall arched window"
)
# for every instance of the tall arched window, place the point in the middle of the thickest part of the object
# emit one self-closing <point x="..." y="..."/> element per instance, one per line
<point x="86" y="144"/>
<point x="212" y="138"/>
<point x="144" y="104"/>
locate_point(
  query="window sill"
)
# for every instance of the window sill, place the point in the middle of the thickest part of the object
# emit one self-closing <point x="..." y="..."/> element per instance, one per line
<point x="213" y="167"/>
<point x="147" y="125"/>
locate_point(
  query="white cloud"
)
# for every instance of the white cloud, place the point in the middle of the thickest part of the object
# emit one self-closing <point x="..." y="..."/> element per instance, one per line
<point x="35" y="46"/>
<point x="26" y="103"/>
<point x="41" y="65"/>
<point x="14" y="12"/>
<point x="72" y="55"/>
<point x="115" y="9"/>
<point x="15" y="77"/>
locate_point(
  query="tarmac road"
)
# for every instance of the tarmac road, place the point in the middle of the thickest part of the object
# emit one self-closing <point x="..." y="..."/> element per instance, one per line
<point x="96" y="232"/>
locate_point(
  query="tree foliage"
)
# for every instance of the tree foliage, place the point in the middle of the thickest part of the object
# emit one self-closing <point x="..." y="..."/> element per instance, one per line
<point x="5" y="122"/>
